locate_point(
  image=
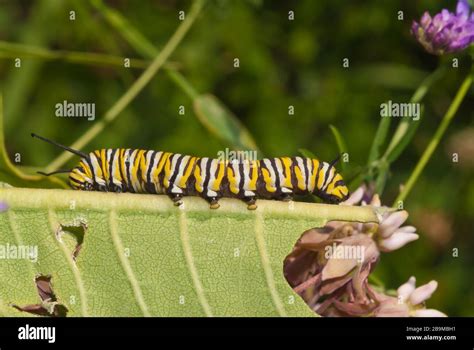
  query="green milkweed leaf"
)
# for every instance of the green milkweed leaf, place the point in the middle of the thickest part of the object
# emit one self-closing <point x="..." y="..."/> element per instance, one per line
<point x="379" y="139"/>
<point x="121" y="254"/>
<point x="341" y="144"/>
<point x="402" y="137"/>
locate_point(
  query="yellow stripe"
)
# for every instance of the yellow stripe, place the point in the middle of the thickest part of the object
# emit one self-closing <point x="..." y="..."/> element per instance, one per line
<point x="87" y="169"/>
<point x="343" y="190"/>
<point x="157" y="171"/>
<point x="216" y="186"/>
<point x="168" y="172"/>
<point x="76" y="176"/>
<point x="312" y="179"/>
<point x="197" y="175"/>
<point x="143" y="167"/>
<point x="321" y="178"/>
<point x="104" y="163"/>
<point x="98" y="171"/>
<point x="299" y="177"/>
<point x="268" y="180"/>
<point x="287" y="173"/>
<point x="233" y="185"/>
<point x="135" y="165"/>
<point x="116" y="166"/>
<point x="333" y="183"/>
<point x="122" y="165"/>
<point x="187" y="174"/>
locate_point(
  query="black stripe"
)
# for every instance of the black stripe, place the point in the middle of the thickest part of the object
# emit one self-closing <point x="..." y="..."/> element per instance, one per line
<point x="89" y="164"/>
<point x="326" y="176"/>
<point x="339" y="183"/>
<point x="207" y="176"/>
<point x="228" y="166"/>
<point x="242" y="178"/>
<point x="294" y="180"/>
<point x="111" y="162"/>
<point x="261" y="179"/>
<point x="139" y="169"/>
<point x="320" y="166"/>
<point x="122" y="175"/>
<point x="149" y="186"/>
<point x="188" y="164"/>
<point x="305" y="165"/>
<point x="99" y="161"/>
<point x="332" y="178"/>
<point x="175" y="170"/>
<point x="128" y="166"/>
<point x="75" y="181"/>
<point x="277" y="176"/>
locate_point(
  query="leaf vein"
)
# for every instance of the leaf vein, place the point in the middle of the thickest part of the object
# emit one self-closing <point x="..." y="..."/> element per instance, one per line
<point x="262" y="249"/>
<point x="184" y="235"/>
<point x="54" y="222"/>
<point x="126" y="264"/>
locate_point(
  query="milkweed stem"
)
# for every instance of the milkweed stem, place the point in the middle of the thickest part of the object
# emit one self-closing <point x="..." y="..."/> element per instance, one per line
<point x="450" y="113"/>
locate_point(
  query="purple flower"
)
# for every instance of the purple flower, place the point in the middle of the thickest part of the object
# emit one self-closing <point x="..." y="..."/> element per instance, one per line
<point x="446" y="32"/>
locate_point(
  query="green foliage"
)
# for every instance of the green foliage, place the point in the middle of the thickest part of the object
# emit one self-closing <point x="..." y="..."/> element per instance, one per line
<point x="140" y="255"/>
<point x="282" y="63"/>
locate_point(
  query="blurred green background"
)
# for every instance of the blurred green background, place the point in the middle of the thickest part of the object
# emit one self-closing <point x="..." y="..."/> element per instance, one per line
<point x="282" y="63"/>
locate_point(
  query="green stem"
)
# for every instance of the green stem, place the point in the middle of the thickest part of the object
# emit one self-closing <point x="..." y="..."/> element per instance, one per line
<point x="183" y="83"/>
<point x="417" y="96"/>
<point x="450" y="113"/>
<point x="427" y="83"/>
<point x="135" y="89"/>
<point x="12" y="50"/>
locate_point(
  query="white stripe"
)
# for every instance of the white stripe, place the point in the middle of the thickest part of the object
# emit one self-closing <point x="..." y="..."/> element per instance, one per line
<point x="114" y="168"/>
<point x="309" y="164"/>
<point x="235" y="167"/>
<point x="280" y="170"/>
<point x="155" y="181"/>
<point x="95" y="166"/>
<point x="325" y="170"/>
<point x="132" y="157"/>
<point x="174" y="170"/>
<point x="202" y="166"/>
<point x="212" y="178"/>
<point x="299" y="160"/>
<point x="180" y="173"/>
<point x="268" y="165"/>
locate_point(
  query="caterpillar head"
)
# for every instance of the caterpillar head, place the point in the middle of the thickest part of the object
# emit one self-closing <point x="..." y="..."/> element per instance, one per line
<point x="79" y="178"/>
<point x="333" y="189"/>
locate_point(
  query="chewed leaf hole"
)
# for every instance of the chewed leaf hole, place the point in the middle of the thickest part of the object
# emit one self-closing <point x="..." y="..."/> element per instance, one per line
<point x="72" y="236"/>
<point x="49" y="305"/>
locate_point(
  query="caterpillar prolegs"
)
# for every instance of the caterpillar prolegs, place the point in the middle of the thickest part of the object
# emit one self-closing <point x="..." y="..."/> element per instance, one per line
<point x="177" y="175"/>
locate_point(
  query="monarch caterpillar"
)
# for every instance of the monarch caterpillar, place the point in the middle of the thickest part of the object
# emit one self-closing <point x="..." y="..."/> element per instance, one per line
<point x="177" y="175"/>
